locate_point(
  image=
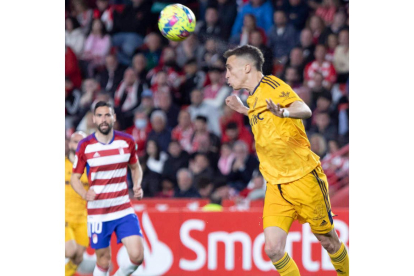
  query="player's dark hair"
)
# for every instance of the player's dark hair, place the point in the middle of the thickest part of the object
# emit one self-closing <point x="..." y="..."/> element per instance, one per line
<point x="247" y="51"/>
<point x="100" y="104"/>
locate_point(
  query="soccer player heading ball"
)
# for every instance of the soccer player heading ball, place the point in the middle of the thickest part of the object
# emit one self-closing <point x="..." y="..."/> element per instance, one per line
<point x="297" y="187"/>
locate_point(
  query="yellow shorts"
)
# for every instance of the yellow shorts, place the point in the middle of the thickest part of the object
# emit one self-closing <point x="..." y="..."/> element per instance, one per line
<point x="77" y="232"/>
<point x="306" y="199"/>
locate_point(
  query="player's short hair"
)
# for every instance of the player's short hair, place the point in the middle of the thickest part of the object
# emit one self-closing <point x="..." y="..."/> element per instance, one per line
<point x="249" y="52"/>
<point x="100" y="104"/>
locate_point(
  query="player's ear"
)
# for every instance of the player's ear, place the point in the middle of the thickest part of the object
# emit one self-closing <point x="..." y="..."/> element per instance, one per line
<point x="247" y="68"/>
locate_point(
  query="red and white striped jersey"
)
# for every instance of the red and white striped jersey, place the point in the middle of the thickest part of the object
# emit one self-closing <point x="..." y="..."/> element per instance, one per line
<point x="106" y="166"/>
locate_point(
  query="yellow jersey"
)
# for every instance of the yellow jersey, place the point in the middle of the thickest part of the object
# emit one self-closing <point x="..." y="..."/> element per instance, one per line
<point x="75" y="205"/>
<point x="281" y="143"/>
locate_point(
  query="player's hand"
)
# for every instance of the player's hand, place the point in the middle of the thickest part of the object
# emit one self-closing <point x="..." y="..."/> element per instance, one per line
<point x="274" y="108"/>
<point x="234" y="102"/>
<point x="138" y="192"/>
<point x="90" y="195"/>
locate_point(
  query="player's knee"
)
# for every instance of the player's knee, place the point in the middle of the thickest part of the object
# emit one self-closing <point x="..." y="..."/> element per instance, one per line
<point x="70" y="252"/>
<point x="137" y="257"/>
<point x="274" y="251"/>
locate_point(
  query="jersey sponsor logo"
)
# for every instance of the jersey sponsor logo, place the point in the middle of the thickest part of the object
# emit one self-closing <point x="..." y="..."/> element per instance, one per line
<point x="255" y="118"/>
<point x="285" y="96"/>
<point x="96" y="155"/>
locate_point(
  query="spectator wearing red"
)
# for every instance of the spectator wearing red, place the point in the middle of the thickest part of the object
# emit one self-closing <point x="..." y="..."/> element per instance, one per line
<point x="72" y="70"/>
<point x="229" y="115"/>
<point x="339" y="24"/>
<point x="105" y="12"/>
<point x="140" y="130"/>
<point x="327" y="10"/>
<point x="320" y="64"/>
<point x="216" y="92"/>
<point x="234" y="133"/>
<point x="84" y="14"/>
<point x="167" y="188"/>
<point x="317" y="26"/>
<point x="97" y="46"/>
<point x="184" y="131"/>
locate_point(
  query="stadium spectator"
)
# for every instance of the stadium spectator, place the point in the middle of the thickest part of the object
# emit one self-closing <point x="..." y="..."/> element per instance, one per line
<point x="139" y="63"/>
<point x="152" y="50"/>
<point x="150" y="180"/>
<point x="282" y="37"/>
<point x="316" y="26"/>
<point x="292" y="78"/>
<point x="341" y="57"/>
<point x="210" y="53"/>
<point x="90" y="89"/>
<point x="127" y="98"/>
<point x="249" y="25"/>
<point x="256" y="189"/>
<point x="320" y="64"/>
<point x="104" y="11"/>
<point x="243" y="166"/>
<point x="227" y="12"/>
<point x="177" y="159"/>
<point x="256" y="39"/>
<point x="211" y="26"/>
<point x="200" y="167"/>
<point x="205" y="187"/>
<point x="194" y="79"/>
<point x="217" y="90"/>
<point x="339" y="24"/>
<point x="226" y="159"/>
<point x="140" y="130"/>
<point x="155" y="156"/>
<point x="296" y="12"/>
<point x="185" y="185"/>
<point x="160" y="85"/>
<point x="86" y="124"/>
<point x="297" y="60"/>
<point x="74" y="37"/>
<point x="72" y="70"/>
<point x="326" y="11"/>
<point x="72" y="99"/>
<point x="170" y="109"/>
<point x="331" y="44"/>
<point x="167" y="188"/>
<point x="229" y="115"/>
<point x="130" y="27"/>
<point x="97" y="46"/>
<point x="112" y="75"/>
<point x="187" y="50"/>
<point x="202" y="137"/>
<point x="318" y="144"/>
<point x="169" y="65"/>
<point x="215" y="203"/>
<point x="159" y="131"/>
<point x="183" y="132"/>
<point x="324" y="126"/>
<point x="199" y="107"/>
<point x="83" y="14"/>
<point x="234" y="132"/>
<point x="147" y="102"/>
<point x="318" y="90"/>
<point x="262" y="10"/>
<point x="307" y="45"/>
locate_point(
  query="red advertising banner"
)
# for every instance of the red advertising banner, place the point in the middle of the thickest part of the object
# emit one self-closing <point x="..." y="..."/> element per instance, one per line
<point x="180" y="242"/>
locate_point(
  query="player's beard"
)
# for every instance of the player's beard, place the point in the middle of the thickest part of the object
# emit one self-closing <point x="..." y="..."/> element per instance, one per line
<point x="105" y="132"/>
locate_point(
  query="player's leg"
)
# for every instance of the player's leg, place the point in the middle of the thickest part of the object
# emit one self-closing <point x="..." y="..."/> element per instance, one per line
<point x="314" y="193"/>
<point x="128" y="231"/>
<point x="329" y="239"/>
<point x="336" y="250"/>
<point x="103" y="260"/>
<point x="278" y="215"/>
<point x="70" y="250"/>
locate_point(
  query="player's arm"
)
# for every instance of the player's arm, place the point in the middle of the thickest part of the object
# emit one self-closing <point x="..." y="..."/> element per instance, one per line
<point x="77" y="185"/>
<point x="295" y="110"/>
<point x="136" y="174"/>
<point x="236" y="104"/>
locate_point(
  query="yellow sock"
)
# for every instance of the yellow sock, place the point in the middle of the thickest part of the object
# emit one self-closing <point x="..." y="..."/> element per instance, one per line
<point x="340" y="261"/>
<point x="70" y="268"/>
<point x="287" y="266"/>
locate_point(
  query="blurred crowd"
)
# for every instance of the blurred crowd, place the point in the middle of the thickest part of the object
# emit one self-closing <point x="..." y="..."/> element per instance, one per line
<point x="170" y="95"/>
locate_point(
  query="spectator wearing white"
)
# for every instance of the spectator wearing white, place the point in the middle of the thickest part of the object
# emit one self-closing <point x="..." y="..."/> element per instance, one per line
<point x="74" y="38"/>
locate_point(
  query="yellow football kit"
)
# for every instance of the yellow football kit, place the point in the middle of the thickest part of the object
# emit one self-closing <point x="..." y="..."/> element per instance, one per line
<point x="75" y="210"/>
<point x="297" y="188"/>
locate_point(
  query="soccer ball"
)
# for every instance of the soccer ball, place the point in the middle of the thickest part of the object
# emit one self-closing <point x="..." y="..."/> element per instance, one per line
<point x="176" y="22"/>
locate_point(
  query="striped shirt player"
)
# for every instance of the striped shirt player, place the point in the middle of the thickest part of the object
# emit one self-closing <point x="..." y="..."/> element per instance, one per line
<point x="106" y="155"/>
